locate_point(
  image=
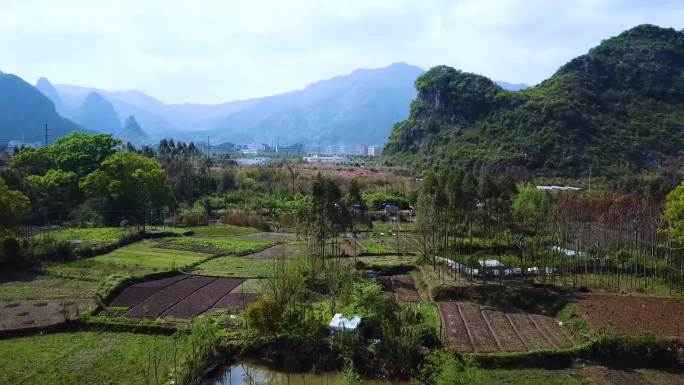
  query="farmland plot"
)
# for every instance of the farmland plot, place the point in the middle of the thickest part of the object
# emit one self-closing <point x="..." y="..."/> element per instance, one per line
<point x="182" y="296"/>
<point x="157" y="303"/>
<point x="139" y="292"/>
<point x="631" y="314"/>
<point x="203" y="299"/>
<point x="469" y="327"/>
<point x="23" y="314"/>
<point x="400" y="287"/>
<point x="236" y="300"/>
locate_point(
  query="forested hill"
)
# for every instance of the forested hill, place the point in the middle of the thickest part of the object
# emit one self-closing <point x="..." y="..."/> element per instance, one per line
<point x="24" y="112"/>
<point x="619" y="107"/>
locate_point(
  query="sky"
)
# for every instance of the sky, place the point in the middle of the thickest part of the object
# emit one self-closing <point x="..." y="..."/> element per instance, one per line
<point x="211" y="51"/>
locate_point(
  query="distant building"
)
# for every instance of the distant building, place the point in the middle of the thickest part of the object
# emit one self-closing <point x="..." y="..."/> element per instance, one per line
<point x="293" y="149"/>
<point x="372" y="150"/>
<point x="329" y="149"/>
<point x="256" y="147"/>
<point x="333" y="159"/>
<point x="224" y="148"/>
<point x="252" y="161"/>
<point x="4" y="145"/>
<point x="341" y="149"/>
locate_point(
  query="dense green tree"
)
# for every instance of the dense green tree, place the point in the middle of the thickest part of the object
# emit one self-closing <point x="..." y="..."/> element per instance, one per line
<point x="13" y="207"/>
<point x="82" y="153"/>
<point x="32" y="161"/>
<point x="129" y="185"/>
<point x="674" y="213"/>
<point x="55" y="194"/>
<point x="529" y="205"/>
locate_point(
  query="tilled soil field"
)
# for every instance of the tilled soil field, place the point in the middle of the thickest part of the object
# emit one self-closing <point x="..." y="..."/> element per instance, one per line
<point x="183" y="296"/>
<point x="203" y="299"/>
<point x="400" y="287"/>
<point x="26" y="314"/>
<point x="470" y="327"/>
<point x="236" y="300"/>
<point x="631" y="315"/>
<point x="139" y="292"/>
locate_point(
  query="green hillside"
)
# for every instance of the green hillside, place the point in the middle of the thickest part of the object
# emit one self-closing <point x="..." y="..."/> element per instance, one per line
<point x="619" y="107"/>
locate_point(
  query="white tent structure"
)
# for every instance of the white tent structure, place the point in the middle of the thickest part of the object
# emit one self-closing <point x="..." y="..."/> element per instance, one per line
<point x="339" y="323"/>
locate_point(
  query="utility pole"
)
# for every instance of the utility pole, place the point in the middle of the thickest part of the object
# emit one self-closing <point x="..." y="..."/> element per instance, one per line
<point x="46" y="134"/>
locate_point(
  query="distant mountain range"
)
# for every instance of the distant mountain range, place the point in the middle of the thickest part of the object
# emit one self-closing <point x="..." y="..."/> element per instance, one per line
<point x="355" y="109"/>
<point x="24" y="112"/>
<point x="617" y="109"/>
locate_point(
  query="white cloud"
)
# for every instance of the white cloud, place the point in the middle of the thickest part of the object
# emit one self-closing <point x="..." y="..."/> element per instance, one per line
<point x="212" y="51"/>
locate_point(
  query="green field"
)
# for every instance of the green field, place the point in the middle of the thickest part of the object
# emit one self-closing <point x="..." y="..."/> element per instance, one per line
<point x="231" y="266"/>
<point x="93" y="237"/>
<point x="220" y="231"/>
<point x="227" y="245"/>
<point x="29" y="286"/>
<point x="388" y="260"/>
<point x="385" y="245"/>
<point x="144" y="254"/>
<point x="86" y="358"/>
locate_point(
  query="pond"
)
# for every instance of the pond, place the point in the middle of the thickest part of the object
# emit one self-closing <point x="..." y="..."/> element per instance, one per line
<point x="247" y="373"/>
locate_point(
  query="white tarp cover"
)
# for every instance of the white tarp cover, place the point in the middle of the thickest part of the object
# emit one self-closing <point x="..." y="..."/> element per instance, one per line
<point x="490" y="263"/>
<point x="340" y="323"/>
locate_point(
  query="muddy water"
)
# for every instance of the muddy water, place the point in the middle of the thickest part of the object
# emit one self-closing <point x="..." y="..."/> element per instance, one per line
<point x="252" y="374"/>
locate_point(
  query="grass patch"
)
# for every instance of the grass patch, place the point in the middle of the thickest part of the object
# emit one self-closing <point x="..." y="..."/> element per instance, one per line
<point x="92" y="237"/>
<point x="31" y="286"/>
<point x="388" y="261"/>
<point x="250" y="286"/>
<point x="144" y="255"/>
<point x="86" y="358"/>
<point x="387" y="245"/>
<point x="429" y="314"/>
<point x="226" y="245"/>
<point x="92" y="269"/>
<point x="232" y="266"/>
<point x="220" y="231"/>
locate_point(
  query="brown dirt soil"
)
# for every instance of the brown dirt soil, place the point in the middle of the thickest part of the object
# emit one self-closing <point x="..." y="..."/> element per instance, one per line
<point x="482" y="336"/>
<point x="290" y="251"/>
<point x="632" y="314"/>
<point x="527" y="330"/>
<point x="454" y="332"/>
<point x="25" y="314"/>
<point x="550" y="328"/>
<point x="487" y="329"/>
<point x="400" y="287"/>
<point x="508" y="338"/>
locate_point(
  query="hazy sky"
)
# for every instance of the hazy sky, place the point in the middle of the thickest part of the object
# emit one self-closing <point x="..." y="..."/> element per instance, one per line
<point x="214" y="51"/>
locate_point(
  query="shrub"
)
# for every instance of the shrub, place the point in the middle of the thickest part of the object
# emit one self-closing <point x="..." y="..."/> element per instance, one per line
<point x="243" y="219"/>
<point x="264" y="316"/>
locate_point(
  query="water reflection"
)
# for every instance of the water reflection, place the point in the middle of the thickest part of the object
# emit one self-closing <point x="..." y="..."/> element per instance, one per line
<point x="252" y="374"/>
